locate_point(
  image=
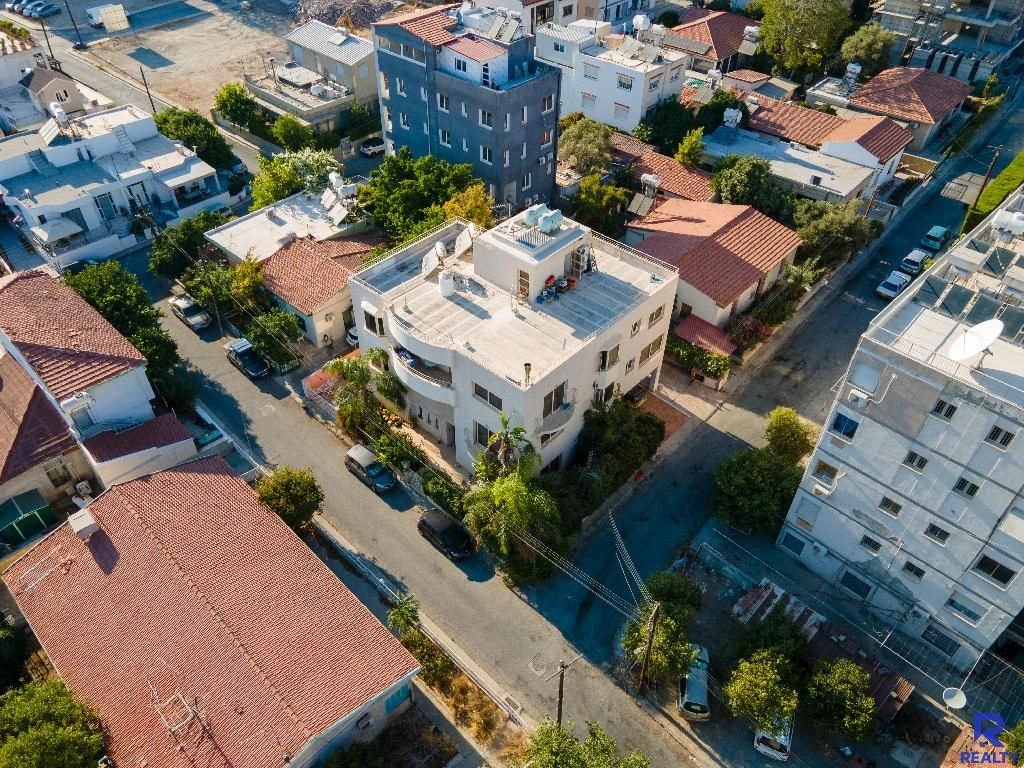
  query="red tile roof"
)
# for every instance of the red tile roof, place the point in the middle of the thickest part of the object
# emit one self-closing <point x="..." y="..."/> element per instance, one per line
<point x="65" y="341"/>
<point x="31" y="429"/>
<point x="676" y="178"/>
<point x="304" y="274"/>
<point x="432" y="25"/>
<point x="790" y="121"/>
<point x="721" y="250"/>
<point x="720" y="30"/>
<point x="626" y="148"/>
<point x="702" y="333"/>
<point x="880" y="136"/>
<point x="747" y="75"/>
<point x="473" y="47"/>
<point x="156" y="433"/>
<point x="194" y="589"/>
<point x="910" y="93"/>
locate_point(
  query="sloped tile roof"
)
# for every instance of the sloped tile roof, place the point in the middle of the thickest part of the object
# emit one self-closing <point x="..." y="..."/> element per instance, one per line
<point x="791" y="122"/>
<point x="911" y="93"/>
<point x="676" y="178"/>
<point x="38" y="78"/>
<point x="475" y="48"/>
<point x="162" y="431"/>
<point x="702" y="333"/>
<point x="65" y="341"/>
<point x="431" y="25"/>
<point x="31" y="429"/>
<point x="626" y="149"/>
<point x="316" y="36"/>
<point x="721" y="31"/>
<point x="881" y="136"/>
<point x="721" y="250"/>
<point x="193" y="588"/>
<point x="747" y="76"/>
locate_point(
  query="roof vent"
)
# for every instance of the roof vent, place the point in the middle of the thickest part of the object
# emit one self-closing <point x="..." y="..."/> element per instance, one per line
<point x="816" y="181"/>
<point x="83" y="524"/>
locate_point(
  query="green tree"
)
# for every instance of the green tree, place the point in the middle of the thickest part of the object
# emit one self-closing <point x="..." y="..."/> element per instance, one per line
<point x="196" y="132"/>
<point x="236" y="104"/>
<point x="554" y="747"/>
<point x="710" y="115"/>
<point x="568" y="121"/>
<point x="831" y="230"/>
<point x="691" y="149"/>
<point x="472" y="204"/>
<point x="671" y="655"/>
<point x="758" y="692"/>
<point x="403" y="192"/>
<point x="870" y="46"/>
<point x="246" y="287"/>
<point x="313" y="166"/>
<point x="12" y="655"/>
<point x="404" y="615"/>
<point x="788" y="435"/>
<point x="679" y="597"/>
<point x="504" y="451"/>
<point x="801" y="35"/>
<point x="209" y="283"/>
<point x="1013" y="740"/>
<point x="275" y="180"/>
<point x="598" y="205"/>
<point x="293" y="494"/>
<point x="748" y="180"/>
<point x="586" y="146"/>
<point x="290" y="133"/>
<point x="42" y="725"/>
<point x="273" y="335"/>
<point x="360" y="121"/>
<point x="160" y="351"/>
<point x="839" y="700"/>
<point x="754" y="489"/>
<point x="177" y="248"/>
<point x="667" y="126"/>
<point x="777" y="632"/>
<point x="358" y="411"/>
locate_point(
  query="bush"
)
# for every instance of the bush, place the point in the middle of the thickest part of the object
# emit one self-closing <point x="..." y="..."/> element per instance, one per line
<point x="777" y="632"/>
<point x="436" y="669"/>
<point x="328" y="140"/>
<point x="788" y="435"/>
<point x="398" y="451"/>
<point x="389" y="387"/>
<point x="273" y="333"/>
<point x="690" y="357"/>
<point x="446" y="494"/>
<point x="747" y="331"/>
<point x="668" y="19"/>
<point x="293" y="494"/>
<point x="236" y="183"/>
<point x="12" y="655"/>
<point x="755" y="488"/>
<point x="622" y="437"/>
<point x="291" y="134"/>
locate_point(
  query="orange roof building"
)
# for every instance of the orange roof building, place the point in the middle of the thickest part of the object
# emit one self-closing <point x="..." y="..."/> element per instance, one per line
<point x="713" y="38"/>
<point x="676" y="179"/>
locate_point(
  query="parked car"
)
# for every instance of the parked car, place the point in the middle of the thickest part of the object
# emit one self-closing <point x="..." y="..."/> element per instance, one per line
<point x="936" y="239"/>
<point x="776" y="745"/>
<point x="78" y="266"/>
<point x="352" y="337"/>
<point x="445" y="534"/>
<point x="913" y="262"/>
<point x="20" y="5"/>
<point x="893" y="285"/>
<point x="363" y="463"/>
<point x="372" y="147"/>
<point x="237" y="165"/>
<point x="46" y="11"/>
<point x="246" y="359"/>
<point x="30" y="6"/>
<point x="693" y="687"/>
<point x="191" y="314"/>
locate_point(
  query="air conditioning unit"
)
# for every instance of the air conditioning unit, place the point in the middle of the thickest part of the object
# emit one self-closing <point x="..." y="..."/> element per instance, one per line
<point x="857" y="397"/>
<point x="541" y="160"/>
<point x="821" y="490"/>
<point x="551" y="156"/>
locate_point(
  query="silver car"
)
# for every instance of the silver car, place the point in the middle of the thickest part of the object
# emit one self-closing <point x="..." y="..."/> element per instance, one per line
<point x="893" y="285"/>
<point x="190" y="313"/>
<point x="693" y="700"/>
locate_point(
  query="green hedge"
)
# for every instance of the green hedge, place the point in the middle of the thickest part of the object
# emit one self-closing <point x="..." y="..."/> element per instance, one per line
<point x="1001" y="187"/>
<point x="688" y="356"/>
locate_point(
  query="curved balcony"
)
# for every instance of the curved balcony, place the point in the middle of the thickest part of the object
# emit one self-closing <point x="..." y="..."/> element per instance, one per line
<point x="436" y="350"/>
<point x="431" y="382"/>
<point x="557" y="420"/>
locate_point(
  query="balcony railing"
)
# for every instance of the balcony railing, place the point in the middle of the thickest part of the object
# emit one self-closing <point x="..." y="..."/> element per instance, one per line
<point x="558" y="418"/>
<point x="430" y="374"/>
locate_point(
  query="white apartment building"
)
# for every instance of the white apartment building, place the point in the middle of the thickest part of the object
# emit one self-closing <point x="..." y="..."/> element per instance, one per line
<point x="911" y="501"/>
<point x="613" y="79"/>
<point x="76" y="185"/>
<point x="538" y="318"/>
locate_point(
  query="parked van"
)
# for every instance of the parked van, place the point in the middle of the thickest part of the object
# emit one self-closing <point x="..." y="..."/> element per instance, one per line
<point x="693" y="688"/>
<point x="776" y="745"/>
<point x="95" y="14"/>
<point x="363" y="463"/>
<point x="913" y="262"/>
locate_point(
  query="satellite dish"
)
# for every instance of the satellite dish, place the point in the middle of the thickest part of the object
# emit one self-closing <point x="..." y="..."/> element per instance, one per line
<point x="975" y="340"/>
<point x="954" y="698"/>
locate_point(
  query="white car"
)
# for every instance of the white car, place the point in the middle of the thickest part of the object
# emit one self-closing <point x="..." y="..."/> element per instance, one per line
<point x="776" y="745"/>
<point x="190" y="313"/>
<point x="893" y="285"/>
<point x="352" y="337"/>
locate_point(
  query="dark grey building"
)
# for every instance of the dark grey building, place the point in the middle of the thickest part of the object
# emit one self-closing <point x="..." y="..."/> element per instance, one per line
<point x="462" y="84"/>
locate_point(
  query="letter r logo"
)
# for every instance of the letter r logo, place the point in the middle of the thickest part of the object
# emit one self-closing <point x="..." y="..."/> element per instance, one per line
<point x="988" y="725"/>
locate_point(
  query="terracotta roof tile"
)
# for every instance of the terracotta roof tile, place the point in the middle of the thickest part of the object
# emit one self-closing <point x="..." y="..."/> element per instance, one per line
<point x="910" y="93"/>
<point x="162" y="431"/>
<point x="475" y="48"/>
<point x="193" y="588"/>
<point x="790" y="121"/>
<point x="720" y="30"/>
<point x="31" y="429"/>
<point x="880" y="136"/>
<point x="721" y="250"/>
<point x="626" y="149"/>
<point x="305" y="273"/>
<point x="676" y="178"/>
<point x="702" y="333"/>
<point x="747" y="75"/>
<point x="65" y="341"/>
<point x="431" y="25"/>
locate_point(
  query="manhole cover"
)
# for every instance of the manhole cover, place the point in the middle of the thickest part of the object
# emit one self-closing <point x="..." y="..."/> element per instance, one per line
<point x="266" y="410"/>
<point x="538" y="666"/>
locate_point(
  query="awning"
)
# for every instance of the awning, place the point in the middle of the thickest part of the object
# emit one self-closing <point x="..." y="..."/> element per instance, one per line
<point x="55" y="229"/>
<point x="176" y="177"/>
<point x="24" y="516"/>
<point x="705" y="335"/>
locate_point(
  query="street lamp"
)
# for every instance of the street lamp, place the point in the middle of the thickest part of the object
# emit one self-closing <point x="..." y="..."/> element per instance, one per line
<point x="80" y="45"/>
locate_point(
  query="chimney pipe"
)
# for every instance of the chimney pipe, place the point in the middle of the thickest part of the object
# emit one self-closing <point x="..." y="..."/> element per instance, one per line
<point x="526" y="371"/>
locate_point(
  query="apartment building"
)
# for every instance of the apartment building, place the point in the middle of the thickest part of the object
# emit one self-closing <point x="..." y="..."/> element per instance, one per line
<point x="911" y="499"/>
<point x="536" y="318"/>
<point x="462" y="84"/>
<point x="613" y="79"/>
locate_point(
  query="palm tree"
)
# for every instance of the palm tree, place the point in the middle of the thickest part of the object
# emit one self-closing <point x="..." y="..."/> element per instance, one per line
<point x="404" y="615"/>
<point x="355" y="402"/>
<point x="504" y="452"/>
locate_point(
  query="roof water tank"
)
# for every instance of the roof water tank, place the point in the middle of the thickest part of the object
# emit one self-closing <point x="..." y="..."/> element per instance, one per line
<point x="641" y="22"/>
<point x="1016" y="224"/>
<point x="446" y="283"/>
<point x="83" y="523"/>
<point x="651" y="180"/>
<point x="533" y="214"/>
<point x="1002" y="219"/>
<point x="751" y="33"/>
<point x="550" y="222"/>
<point x="853" y="70"/>
<point x="336" y="179"/>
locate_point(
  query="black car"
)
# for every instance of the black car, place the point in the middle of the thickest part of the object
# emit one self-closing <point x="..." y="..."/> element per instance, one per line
<point x="445" y="534"/>
<point x="246" y="359"/>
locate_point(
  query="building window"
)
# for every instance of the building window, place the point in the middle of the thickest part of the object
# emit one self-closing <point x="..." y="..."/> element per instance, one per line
<point x="554" y="399"/>
<point x="523" y="155"/>
<point x="625" y="83"/>
<point x="590" y="71"/>
<point x="589" y="102"/>
<point x="609" y="357"/>
<point x="547" y="103"/>
<point x="855" y="584"/>
<point x="825" y="472"/>
<point x="486" y="119"/>
<point x="915" y="461"/>
<point x="964" y="608"/>
<point x="445" y="137"/>
<point x="650" y="349"/>
<point x="465" y="145"/>
<point x="57" y="472"/>
<point x="403" y="120"/>
<point x="936" y="534"/>
<point x="566" y="10"/>
<point x="524" y="283"/>
<point x="62" y="95"/>
<point x="426" y="128"/>
<point x="870" y="544"/>
<point x="484" y="395"/>
<point x="630" y="364"/>
<point x="675" y="75"/>
<point x="400" y="85"/>
<point x="527" y="181"/>
<point x="545" y="137"/>
<point x="844" y="426"/>
<point x="442" y="102"/>
<point x="944" y="410"/>
<point x="559" y="47"/>
<point x="635" y="328"/>
<point x="890" y="507"/>
<point x="423" y="93"/>
<point x="965" y="487"/>
<point x="654" y="85"/>
<point x="552" y="466"/>
<point x="482" y="434"/>
<point x="793" y="543"/>
<point x="940" y="640"/>
<point x="621" y="111"/>
<point x="999" y="436"/>
<point x="526" y="112"/>
<point x="656" y="315"/>
<point x="106" y="205"/>
<point x="507" y="123"/>
<point x="506" y="158"/>
<point x="486" y="155"/>
<point x="464" y="112"/>
<point x="994" y="570"/>
<point x="374" y="324"/>
<point x="913" y="570"/>
<point x="460" y="65"/>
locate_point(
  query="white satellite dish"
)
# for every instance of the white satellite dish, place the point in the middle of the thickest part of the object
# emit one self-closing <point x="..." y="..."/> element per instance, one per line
<point x="975" y="340"/>
<point x="954" y="698"/>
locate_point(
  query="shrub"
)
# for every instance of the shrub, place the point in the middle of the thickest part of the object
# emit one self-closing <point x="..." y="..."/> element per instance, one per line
<point x="325" y="140"/>
<point x="398" y="451"/>
<point x="747" y="331"/>
<point x="690" y="357"/>
<point x="389" y="387"/>
<point x="777" y="632"/>
<point x="755" y="488"/>
<point x="12" y="655"/>
<point x="446" y="494"/>
<point x="436" y="669"/>
<point x="236" y="183"/>
<point x="273" y="333"/>
<point x="293" y="494"/>
<point x="788" y="435"/>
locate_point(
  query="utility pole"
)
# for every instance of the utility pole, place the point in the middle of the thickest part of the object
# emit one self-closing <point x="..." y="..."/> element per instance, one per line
<point x="988" y="173"/>
<point x="46" y="37"/>
<point x="652" y="625"/>
<point x="561" y="683"/>
<point x="80" y="45"/>
<point x="145" y="84"/>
